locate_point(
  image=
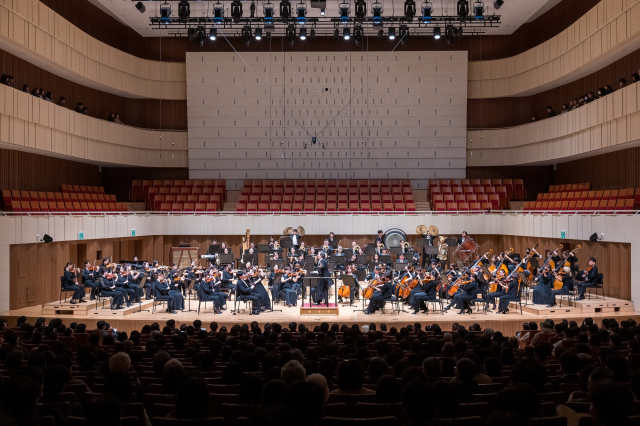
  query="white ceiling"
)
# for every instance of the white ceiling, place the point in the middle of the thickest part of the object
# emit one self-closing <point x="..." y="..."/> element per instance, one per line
<point x="513" y="13"/>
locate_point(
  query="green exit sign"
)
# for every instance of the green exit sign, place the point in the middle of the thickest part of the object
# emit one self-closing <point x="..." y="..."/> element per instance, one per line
<point x="81" y="235"/>
<point x="133" y="232"/>
<point x="563" y="234"/>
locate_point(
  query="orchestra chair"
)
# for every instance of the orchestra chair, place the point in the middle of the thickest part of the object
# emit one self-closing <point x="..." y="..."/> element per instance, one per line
<point x="237" y="301"/>
<point x="100" y="297"/>
<point x="395" y="304"/>
<point x="599" y="285"/>
<point x="436" y="303"/>
<point x="64" y="290"/>
<point x="571" y="296"/>
<point x="548" y="421"/>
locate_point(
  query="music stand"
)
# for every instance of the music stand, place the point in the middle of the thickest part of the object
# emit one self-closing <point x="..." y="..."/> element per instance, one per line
<point x="264" y="248"/>
<point x="451" y="242"/>
<point x="338" y="260"/>
<point x="272" y="263"/>
<point x="312" y="281"/>
<point x="299" y="252"/>
<point x="285" y="242"/>
<point x="333" y="244"/>
<point x="350" y="282"/>
<point x="424" y="242"/>
<point x="253" y="258"/>
<point x="309" y="259"/>
<point x="361" y="259"/>
<point x="372" y="266"/>
<point x="213" y="249"/>
<point x="226" y="259"/>
<point x="385" y="258"/>
<point x="400" y="267"/>
<point x="347" y="252"/>
<point x="396" y="250"/>
<point x="430" y="250"/>
<point x="369" y="251"/>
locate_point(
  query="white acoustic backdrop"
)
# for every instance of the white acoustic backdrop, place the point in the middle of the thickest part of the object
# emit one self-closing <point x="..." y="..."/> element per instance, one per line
<point x="377" y="115"/>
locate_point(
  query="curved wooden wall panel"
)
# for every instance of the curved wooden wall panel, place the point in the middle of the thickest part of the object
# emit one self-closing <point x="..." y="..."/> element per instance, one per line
<point x="608" y="124"/>
<point x="31" y="27"/>
<point x="31" y="124"/>
<point x="607" y="30"/>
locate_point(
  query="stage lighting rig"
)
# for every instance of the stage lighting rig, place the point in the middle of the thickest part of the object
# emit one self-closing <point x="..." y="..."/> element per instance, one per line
<point x="336" y="35"/>
<point x="478" y="10"/>
<point x="165" y="12"/>
<point x="291" y="34"/>
<point x="436" y="33"/>
<point x="285" y="10"/>
<point x="357" y="34"/>
<point x="303" y="34"/>
<point x="301" y="11"/>
<point x="497" y="4"/>
<point x="463" y="9"/>
<point x="313" y="35"/>
<point x="392" y="33"/>
<point x="213" y="34"/>
<point x="218" y="13"/>
<point x="246" y="35"/>
<point x="376" y="12"/>
<point x="184" y="10"/>
<point x="409" y="9"/>
<point x="360" y="10"/>
<point x="404" y="34"/>
<point x="236" y="10"/>
<point x="345" y="10"/>
<point x="252" y="10"/>
<point x="267" y="10"/>
<point x="380" y="34"/>
<point x="258" y="34"/>
<point x="346" y="33"/>
<point x="427" y="10"/>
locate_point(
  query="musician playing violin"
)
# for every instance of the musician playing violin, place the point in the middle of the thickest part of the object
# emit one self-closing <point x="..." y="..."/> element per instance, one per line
<point x="89" y="279"/>
<point x="70" y="282"/>
<point x="467" y="293"/>
<point x="511" y="293"/>
<point x="286" y="286"/>
<point x="463" y="278"/>
<point x="426" y="290"/>
<point x="590" y="276"/>
<point x="500" y="291"/>
<point x="207" y="291"/>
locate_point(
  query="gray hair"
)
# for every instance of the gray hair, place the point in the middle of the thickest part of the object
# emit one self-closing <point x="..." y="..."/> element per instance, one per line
<point x="293" y="372"/>
<point x="120" y="363"/>
<point x="488" y="332"/>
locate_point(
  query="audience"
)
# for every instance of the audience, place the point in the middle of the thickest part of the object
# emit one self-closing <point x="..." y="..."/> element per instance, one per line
<point x="286" y="375"/>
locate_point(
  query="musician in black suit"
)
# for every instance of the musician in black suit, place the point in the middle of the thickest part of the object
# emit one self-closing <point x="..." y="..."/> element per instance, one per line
<point x="327" y="248"/>
<point x="122" y="285"/>
<point x="322" y="289"/>
<point x="134" y="278"/>
<point x="108" y="288"/>
<point x="295" y="239"/>
<point x="430" y="238"/>
<point x="462" y="237"/>
<point x="206" y="292"/>
<point x="102" y="269"/>
<point x="69" y="283"/>
<point x="379" y="237"/>
<point x="227" y="276"/>
<point x="380" y="295"/>
<point x="426" y="292"/>
<point x="468" y="292"/>
<point x="589" y="278"/>
<point x="500" y="291"/>
<point x="89" y="280"/>
<point x="245" y="292"/>
<point x="274" y="284"/>
<point x="161" y="292"/>
<point x="511" y="294"/>
<point x="332" y="241"/>
<point x="174" y="290"/>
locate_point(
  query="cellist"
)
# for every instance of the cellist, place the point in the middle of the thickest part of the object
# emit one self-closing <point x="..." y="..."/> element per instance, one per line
<point x="500" y="291"/>
<point x="382" y="292"/>
<point x="426" y="291"/>
<point x="352" y="289"/>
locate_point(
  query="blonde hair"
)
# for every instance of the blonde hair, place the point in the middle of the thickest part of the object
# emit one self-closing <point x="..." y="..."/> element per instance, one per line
<point x="567" y="270"/>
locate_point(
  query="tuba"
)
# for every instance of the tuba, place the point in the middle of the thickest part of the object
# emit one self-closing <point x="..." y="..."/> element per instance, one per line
<point x="443" y="250"/>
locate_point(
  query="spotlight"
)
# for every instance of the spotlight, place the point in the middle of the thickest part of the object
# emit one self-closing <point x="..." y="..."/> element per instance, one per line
<point x="409" y="9"/>
<point x="313" y="34"/>
<point x="184" y="10"/>
<point x="258" y="33"/>
<point x="392" y="33"/>
<point x="246" y="35"/>
<point x="291" y="34"/>
<point x="463" y="9"/>
<point x="140" y="7"/>
<point x="213" y="33"/>
<point x="380" y="34"/>
<point x="236" y="10"/>
<point x="376" y="11"/>
<point x="497" y="4"/>
<point x="252" y="10"/>
<point x="191" y="34"/>
<point x="427" y="8"/>
<point x="267" y="9"/>
<point x="346" y="33"/>
<point x="303" y="33"/>
<point x="361" y="9"/>
<point x="302" y="13"/>
<point x="336" y="35"/>
<point x="358" y="35"/>
<point x="165" y="13"/>
<point x="344" y="11"/>
<point x="201" y="36"/>
<point x="285" y="10"/>
<point x="322" y="11"/>
<point x="478" y="10"/>
<point x="218" y="13"/>
<point x="436" y="33"/>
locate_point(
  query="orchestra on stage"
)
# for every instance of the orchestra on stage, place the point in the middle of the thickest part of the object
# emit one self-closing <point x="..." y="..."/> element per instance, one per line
<point x="387" y="271"/>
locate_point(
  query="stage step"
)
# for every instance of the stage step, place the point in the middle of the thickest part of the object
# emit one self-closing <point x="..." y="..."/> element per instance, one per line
<point x="543" y="310"/>
<point x="602" y="305"/>
<point x="89" y="309"/>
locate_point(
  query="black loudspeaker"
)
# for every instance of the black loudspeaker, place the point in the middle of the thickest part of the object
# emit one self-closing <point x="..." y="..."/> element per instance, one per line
<point x="593" y="237"/>
<point x="140" y="7"/>
<point x="47" y="239"/>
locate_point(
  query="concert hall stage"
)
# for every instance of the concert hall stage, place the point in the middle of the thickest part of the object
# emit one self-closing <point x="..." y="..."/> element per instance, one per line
<point x="133" y="319"/>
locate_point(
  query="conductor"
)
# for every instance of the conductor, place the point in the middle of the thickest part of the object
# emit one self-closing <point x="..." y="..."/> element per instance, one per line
<point x="322" y="290"/>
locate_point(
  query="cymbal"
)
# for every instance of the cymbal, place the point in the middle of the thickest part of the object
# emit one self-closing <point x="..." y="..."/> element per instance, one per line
<point x="421" y="229"/>
<point x="433" y="230"/>
<point x="301" y="231"/>
<point x="287" y="231"/>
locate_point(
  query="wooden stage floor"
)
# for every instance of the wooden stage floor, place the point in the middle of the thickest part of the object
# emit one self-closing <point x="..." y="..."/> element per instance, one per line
<point x="508" y="324"/>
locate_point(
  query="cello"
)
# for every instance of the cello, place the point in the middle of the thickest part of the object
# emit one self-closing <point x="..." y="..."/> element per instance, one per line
<point x="367" y="293"/>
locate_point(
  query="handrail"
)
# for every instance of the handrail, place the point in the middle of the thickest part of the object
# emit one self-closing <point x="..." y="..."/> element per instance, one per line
<point x="325" y="213"/>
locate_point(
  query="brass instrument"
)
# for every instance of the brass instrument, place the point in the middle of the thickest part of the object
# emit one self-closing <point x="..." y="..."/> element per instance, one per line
<point x="443" y="249"/>
<point x="245" y="240"/>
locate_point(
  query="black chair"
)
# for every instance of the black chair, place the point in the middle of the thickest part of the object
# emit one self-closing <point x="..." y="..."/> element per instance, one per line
<point x="436" y="303"/>
<point x="599" y="285"/>
<point x="99" y="296"/>
<point x="237" y="301"/>
<point x="64" y="290"/>
<point x="571" y="296"/>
